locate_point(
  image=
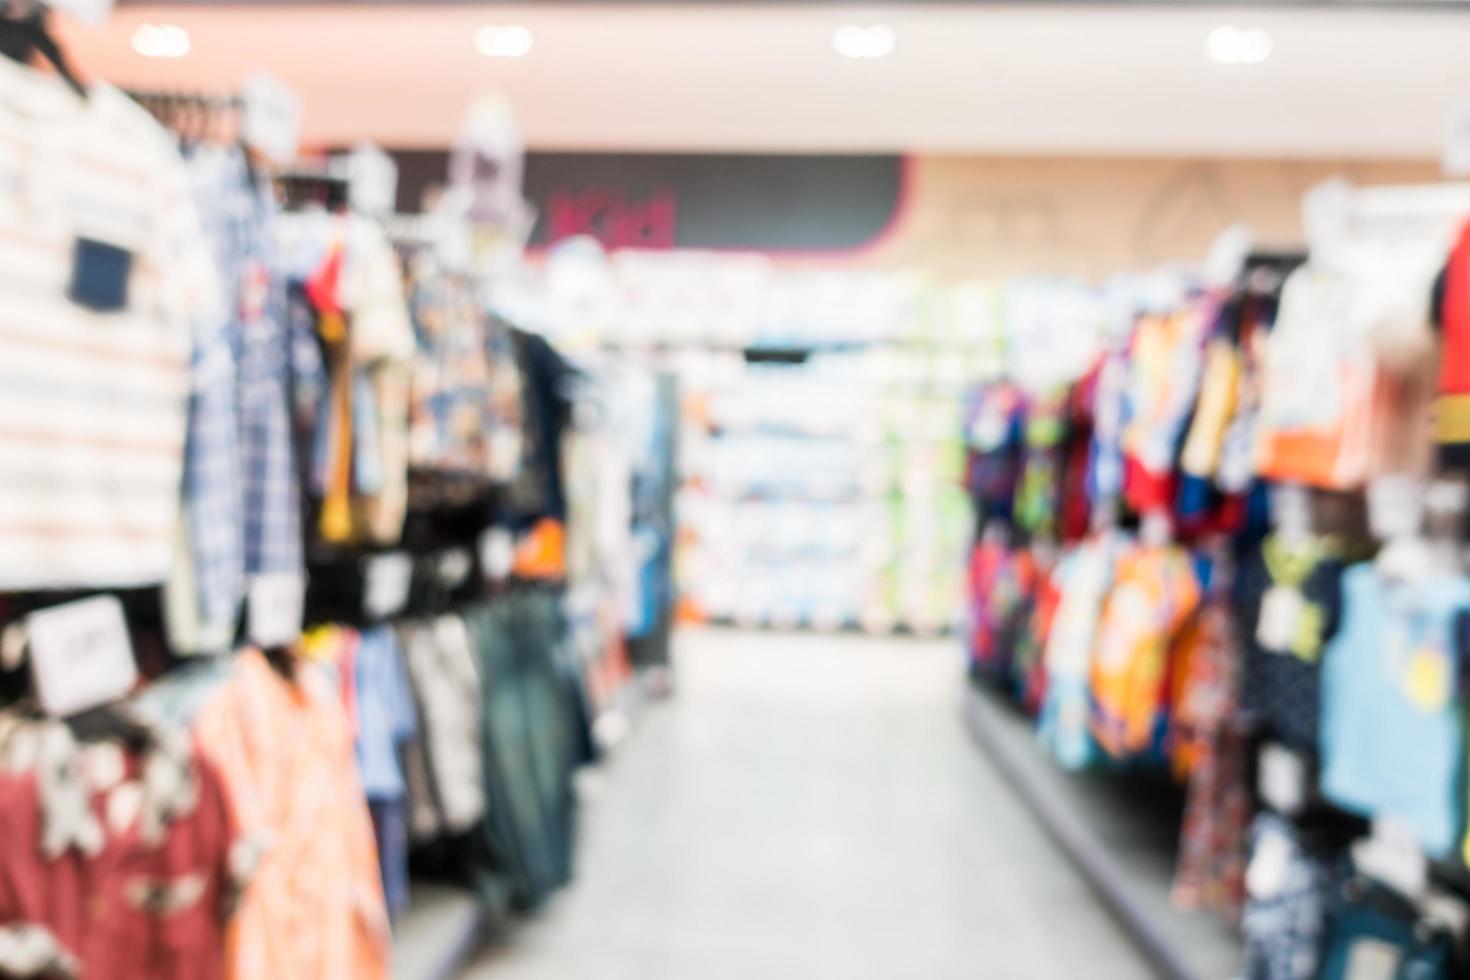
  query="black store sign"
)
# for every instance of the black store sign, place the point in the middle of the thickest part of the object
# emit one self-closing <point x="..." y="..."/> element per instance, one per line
<point x="691" y="200"/>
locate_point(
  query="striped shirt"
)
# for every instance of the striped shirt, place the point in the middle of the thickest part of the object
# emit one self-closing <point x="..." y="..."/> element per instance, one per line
<point x="92" y="404"/>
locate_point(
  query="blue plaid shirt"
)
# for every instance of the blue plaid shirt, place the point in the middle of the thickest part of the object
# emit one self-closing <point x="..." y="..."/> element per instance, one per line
<point x="248" y="514"/>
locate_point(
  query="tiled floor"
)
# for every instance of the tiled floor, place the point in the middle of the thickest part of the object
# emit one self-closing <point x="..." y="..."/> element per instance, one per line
<point x="808" y="807"/>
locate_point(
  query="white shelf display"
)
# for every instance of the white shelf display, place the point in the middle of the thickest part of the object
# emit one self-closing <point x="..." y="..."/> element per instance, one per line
<point x="821" y="474"/>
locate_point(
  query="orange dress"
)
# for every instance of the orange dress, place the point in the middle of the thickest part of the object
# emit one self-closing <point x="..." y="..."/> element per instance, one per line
<point x="314" y="907"/>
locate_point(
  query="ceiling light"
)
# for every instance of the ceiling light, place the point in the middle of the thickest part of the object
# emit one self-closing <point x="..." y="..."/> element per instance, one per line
<point x="161" y="41"/>
<point x="504" y="41"/>
<point x="1230" y="45"/>
<point x="864" y="41"/>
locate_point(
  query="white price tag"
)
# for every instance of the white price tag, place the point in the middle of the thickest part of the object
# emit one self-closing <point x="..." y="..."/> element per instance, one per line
<point x="1282" y="779"/>
<point x="1392" y="855"/>
<point x="497" y="553"/>
<point x="272" y="120"/>
<point x="275" y="605"/>
<point x="81" y="656"/>
<point x="372" y="181"/>
<point x="1281" y="619"/>
<point x="1456" y="159"/>
<point x="454" y="567"/>
<point x="1373" y="959"/>
<point x="90" y="12"/>
<point x="385" y="591"/>
<point x="1395" y="506"/>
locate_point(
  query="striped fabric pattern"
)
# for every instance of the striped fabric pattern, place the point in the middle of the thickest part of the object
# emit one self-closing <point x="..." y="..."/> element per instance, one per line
<point x="92" y="404"/>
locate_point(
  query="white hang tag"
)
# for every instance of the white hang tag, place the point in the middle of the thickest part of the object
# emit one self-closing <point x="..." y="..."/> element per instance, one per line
<point x="276" y="605"/>
<point x="272" y="119"/>
<point x="1392" y="855"/>
<point x="1456" y="158"/>
<point x="1266" y="874"/>
<point x="1395" y="506"/>
<point x="1291" y="512"/>
<point x="372" y="181"/>
<point x="1228" y="255"/>
<point x="81" y="655"/>
<point x="1282" y="779"/>
<point x="1372" y="959"/>
<point x="454" y="567"/>
<point x="385" y="591"/>
<point x="497" y="553"/>
<point x="1281" y="619"/>
<point x="93" y="13"/>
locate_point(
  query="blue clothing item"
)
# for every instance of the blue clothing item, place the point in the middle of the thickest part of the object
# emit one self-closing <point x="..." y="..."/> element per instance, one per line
<point x="1283" y="930"/>
<point x="390" y="829"/>
<point x="386" y="717"/>
<point x="1391" y="728"/>
<point x="367" y="468"/>
<point x="1383" y="930"/>
<point x="226" y="200"/>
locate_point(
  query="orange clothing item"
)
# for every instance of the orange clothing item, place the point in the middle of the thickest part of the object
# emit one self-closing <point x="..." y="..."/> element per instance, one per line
<point x="542" y="553"/>
<point x="314" y="909"/>
<point x="1155" y="592"/>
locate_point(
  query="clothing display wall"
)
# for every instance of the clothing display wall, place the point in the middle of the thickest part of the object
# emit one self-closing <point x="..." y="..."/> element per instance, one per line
<point x="230" y="420"/>
<point x="1230" y="547"/>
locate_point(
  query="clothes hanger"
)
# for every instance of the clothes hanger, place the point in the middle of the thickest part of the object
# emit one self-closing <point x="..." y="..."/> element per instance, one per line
<point x="23" y="34"/>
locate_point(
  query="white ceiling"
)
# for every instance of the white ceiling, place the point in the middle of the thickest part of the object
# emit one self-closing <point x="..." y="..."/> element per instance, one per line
<point x="973" y="79"/>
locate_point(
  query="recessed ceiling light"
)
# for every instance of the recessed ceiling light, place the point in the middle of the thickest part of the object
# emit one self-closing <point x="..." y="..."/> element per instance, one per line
<point x="864" y="41"/>
<point x="161" y="41"/>
<point x="1230" y="45"/>
<point x="504" y="41"/>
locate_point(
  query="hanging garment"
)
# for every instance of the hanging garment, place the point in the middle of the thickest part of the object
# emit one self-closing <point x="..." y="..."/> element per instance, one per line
<point x="386" y="722"/>
<point x="1285" y="914"/>
<point x="1210" y="748"/>
<point x="1392" y="728"/>
<point x="1452" y="409"/>
<point x="442" y="664"/>
<point x="1320" y="386"/>
<point x="107" y="279"/>
<point x="1155" y="591"/>
<point x="1217" y="815"/>
<point x="1002" y="584"/>
<point x="530" y="745"/>
<point x="1083" y="577"/>
<point x="228" y="203"/>
<point x="1377" y="933"/>
<point x="994" y="437"/>
<point x="121" y="859"/>
<point x="1164" y="363"/>
<point x="314" y="908"/>
<point x="1289" y="607"/>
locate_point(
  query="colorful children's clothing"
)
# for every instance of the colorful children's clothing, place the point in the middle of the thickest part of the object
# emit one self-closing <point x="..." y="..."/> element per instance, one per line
<point x="1289" y="606"/>
<point x="994" y="436"/>
<point x="1317" y="405"/>
<point x="1155" y="591"/>
<point x="1164" y="368"/>
<point x="1285" y="913"/>
<point x="1082" y="579"/>
<point x="1002" y="582"/>
<point x="1392" y="732"/>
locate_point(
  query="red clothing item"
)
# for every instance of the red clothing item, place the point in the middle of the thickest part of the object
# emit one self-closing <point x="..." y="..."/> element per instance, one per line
<point x="1452" y="412"/>
<point x="133" y="911"/>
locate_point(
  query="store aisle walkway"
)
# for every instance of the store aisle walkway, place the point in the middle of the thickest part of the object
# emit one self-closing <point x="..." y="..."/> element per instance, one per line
<point x="808" y="807"/>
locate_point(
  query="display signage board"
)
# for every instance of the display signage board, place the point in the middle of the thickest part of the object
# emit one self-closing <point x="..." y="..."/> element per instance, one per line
<point x="734" y="201"/>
